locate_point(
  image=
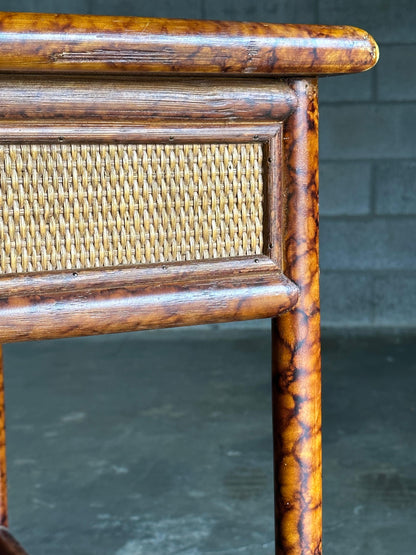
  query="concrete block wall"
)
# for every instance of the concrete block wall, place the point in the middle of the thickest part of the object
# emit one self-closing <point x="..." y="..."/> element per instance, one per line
<point x="368" y="148"/>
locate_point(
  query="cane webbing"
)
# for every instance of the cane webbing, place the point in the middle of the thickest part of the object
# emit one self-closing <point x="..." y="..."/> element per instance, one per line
<point x="95" y="205"/>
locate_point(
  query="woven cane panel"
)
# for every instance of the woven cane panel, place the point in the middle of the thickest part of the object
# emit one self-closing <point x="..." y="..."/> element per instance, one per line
<point x="95" y="205"/>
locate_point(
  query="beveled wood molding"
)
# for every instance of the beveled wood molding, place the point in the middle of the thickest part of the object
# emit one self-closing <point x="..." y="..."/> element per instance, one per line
<point x="81" y="280"/>
<point x="138" y="131"/>
<point x="107" y="44"/>
<point x="76" y="302"/>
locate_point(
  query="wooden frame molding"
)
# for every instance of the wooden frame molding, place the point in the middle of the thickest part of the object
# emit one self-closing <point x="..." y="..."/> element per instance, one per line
<point x="89" y="302"/>
<point x="127" y="98"/>
<point x="86" y="80"/>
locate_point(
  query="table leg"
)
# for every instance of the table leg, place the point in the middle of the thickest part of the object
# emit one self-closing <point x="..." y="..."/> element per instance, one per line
<point x="3" y="475"/>
<point x="296" y="343"/>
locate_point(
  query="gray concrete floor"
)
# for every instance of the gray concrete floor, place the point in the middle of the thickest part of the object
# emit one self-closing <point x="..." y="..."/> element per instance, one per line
<point x="159" y="443"/>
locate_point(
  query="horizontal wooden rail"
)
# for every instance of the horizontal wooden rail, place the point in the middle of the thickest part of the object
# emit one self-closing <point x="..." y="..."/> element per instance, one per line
<point x="79" y="43"/>
<point x="148" y="304"/>
<point x="77" y="280"/>
<point x="193" y="131"/>
<point x="127" y="98"/>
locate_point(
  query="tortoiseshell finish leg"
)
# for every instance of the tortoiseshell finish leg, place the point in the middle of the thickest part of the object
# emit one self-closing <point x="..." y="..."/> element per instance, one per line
<point x="8" y="545"/>
<point x="296" y="344"/>
<point x="3" y="475"/>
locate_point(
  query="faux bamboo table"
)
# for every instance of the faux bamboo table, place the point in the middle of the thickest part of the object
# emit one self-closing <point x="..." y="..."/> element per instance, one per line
<point x="158" y="173"/>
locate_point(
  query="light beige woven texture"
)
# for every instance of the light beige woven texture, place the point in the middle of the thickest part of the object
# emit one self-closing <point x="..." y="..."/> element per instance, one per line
<point x="95" y="205"/>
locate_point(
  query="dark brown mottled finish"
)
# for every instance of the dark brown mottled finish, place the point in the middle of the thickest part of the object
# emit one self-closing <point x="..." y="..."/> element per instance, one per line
<point x="296" y="343"/>
<point x="71" y="303"/>
<point x="59" y="98"/>
<point x="8" y="545"/>
<point x="73" y="43"/>
<point x="81" y="281"/>
<point x="183" y="302"/>
<point x="3" y="474"/>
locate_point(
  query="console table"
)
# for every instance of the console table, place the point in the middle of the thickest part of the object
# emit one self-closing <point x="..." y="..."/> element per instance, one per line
<point x="158" y="173"/>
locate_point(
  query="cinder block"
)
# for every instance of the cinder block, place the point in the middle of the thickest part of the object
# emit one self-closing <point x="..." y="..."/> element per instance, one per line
<point x="368" y="244"/>
<point x="345" y="188"/>
<point x="284" y="11"/>
<point x="395" y="75"/>
<point x="395" y="299"/>
<point x="46" y="6"/>
<point x="387" y="20"/>
<point x="395" y="191"/>
<point x="360" y="131"/>
<point x="346" y="88"/>
<point x="154" y="8"/>
<point x="346" y="299"/>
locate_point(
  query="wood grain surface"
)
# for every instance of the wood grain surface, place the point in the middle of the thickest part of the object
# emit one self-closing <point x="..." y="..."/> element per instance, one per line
<point x="80" y="43"/>
<point x="137" y="131"/>
<point x="78" y="281"/>
<point x="296" y="344"/>
<point x="65" y="98"/>
<point x="145" y="305"/>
